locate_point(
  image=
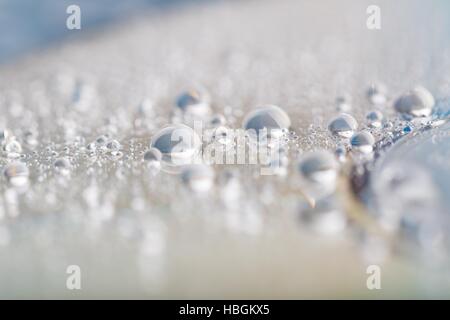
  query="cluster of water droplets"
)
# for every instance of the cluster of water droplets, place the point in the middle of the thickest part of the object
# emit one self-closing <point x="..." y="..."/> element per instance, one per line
<point x="120" y="173"/>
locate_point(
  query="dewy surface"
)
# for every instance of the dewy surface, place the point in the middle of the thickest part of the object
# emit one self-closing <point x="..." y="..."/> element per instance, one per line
<point x="84" y="113"/>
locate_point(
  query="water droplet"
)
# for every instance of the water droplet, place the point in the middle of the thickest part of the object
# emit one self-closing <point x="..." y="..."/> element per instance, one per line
<point x="152" y="158"/>
<point x="271" y="118"/>
<point x="374" y="119"/>
<point x="319" y="167"/>
<point x="178" y="145"/>
<point x="101" y="140"/>
<point x="217" y="120"/>
<point x="17" y="174"/>
<point x="62" y="166"/>
<point x="152" y="155"/>
<point x="13" y="149"/>
<point x="344" y="125"/>
<point x="194" y="102"/>
<point x="407" y="129"/>
<point x="376" y="94"/>
<point x="199" y="178"/>
<point x="344" y="103"/>
<point x="362" y="142"/>
<point x="418" y="102"/>
<point x="113" y="145"/>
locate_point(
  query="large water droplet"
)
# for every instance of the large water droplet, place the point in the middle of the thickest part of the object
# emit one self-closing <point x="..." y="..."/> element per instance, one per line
<point x="271" y="118"/>
<point x="418" y="102"/>
<point x="362" y="142"/>
<point x="344" y="125"/>
<point x="178" y="145"/>
<point x="374" y="119"/>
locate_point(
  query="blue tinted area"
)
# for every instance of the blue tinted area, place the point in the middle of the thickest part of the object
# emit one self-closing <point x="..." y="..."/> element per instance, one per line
<point x="27" y="24"/>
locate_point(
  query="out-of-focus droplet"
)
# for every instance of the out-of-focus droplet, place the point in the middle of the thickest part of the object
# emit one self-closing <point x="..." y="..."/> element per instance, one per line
<point x="344" y="125"/>
<point x="152" y="155"/>
<point x="152" y="159"/>
<point x="62" y="166"/>
<point x="17" y="174"/>
<point x="178" y="145"/>
<point x="101" y="140"/>
<point x="376" y="94"/>
<point x="344" y="103"/>
<point x="319" y="167"/>
<point x="13" y="149"/>
<point x="418" y="102"/>
<point x="325" y="218"/>
<point x="217" y="120"/>
<point x="362" y="142"/>
<point x="145" y="108"/>
<point x="194" y="102"/>
<point x="199" y="178"/>
<point x="113" y="145"/>
<point x="374" y="119"/>
<point x="341" y="153"/>
<point x="270" y="118"/>
<point x="319" y="174"/>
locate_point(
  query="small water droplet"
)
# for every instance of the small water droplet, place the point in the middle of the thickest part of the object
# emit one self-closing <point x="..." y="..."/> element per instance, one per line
<point x="344" y="126"/>
<point x="199" y="178"/>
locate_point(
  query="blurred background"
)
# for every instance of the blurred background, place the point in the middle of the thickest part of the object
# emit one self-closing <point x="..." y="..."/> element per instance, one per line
<point x="66" y="94"/>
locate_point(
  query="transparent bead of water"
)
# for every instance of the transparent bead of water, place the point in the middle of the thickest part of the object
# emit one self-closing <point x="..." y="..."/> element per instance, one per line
<point x="407" y="129"/>
<point x="374" y="119"/>
<point x="362" y="142"/>
<point x="178" y="144"/>
<point x="344" y="103"/>
<point x="271" y="118"/>
<point x="17" y="174"/>
<point x="319" y="167"/>
<point x="417" y="102"/>
<point x="152" y="155"/>
<point x="101" y="140"/>
<point x="217" y="120"/>
<point x="376" y="94"/>
<point x="152" y="159"/>
<point x="62" y="166"/>
<point x="113" y="145"/>
<point x="194" y="102"/>
<point x="343" y="125"/>
<point x="199" y="178"/>
<point x="13" y="149"/>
